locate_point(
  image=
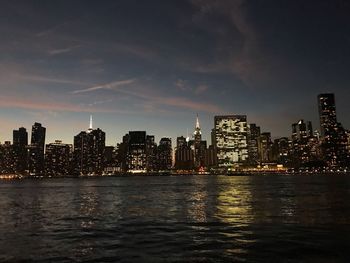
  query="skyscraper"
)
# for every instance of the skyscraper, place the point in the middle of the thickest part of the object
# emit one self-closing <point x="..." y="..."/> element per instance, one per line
<point x="332" y="132"/>
<point x="36" y="150"/>
<point x="136" y="153"/>
<point x="198" y="146"/>
<point x="20" y="143"/>
<point x="327" y="114"/>
<point x="89" y="149"/>
<point x="184" y="159"/>
<point x="231" y="140"/>
<point x="58" y="158"/>
<point x="253" y="144"/>
<point x="164" y="154"/>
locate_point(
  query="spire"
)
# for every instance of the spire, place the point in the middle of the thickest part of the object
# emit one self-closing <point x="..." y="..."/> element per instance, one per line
<point x="197" y="123"/>
<point x="197" y="130"/>
<point x="90" y="126"/>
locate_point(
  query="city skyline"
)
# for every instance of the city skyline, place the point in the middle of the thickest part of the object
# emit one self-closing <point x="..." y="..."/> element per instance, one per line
<point x="154" y="65"/>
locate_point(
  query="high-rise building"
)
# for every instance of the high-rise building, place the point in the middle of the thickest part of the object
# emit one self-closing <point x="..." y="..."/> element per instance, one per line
<point x="231" y="140"/>
<point x="36" y="150"/>
<point x="184" y="155"/>
<point x="302" y="141"/>
<point x="89" y="151"/>
<point x="151" y="153"/>
<point x="20" y="143"/>
<point x="327" y="113"/>
<point x="58" y="157"/>
<point x="198" y="146"/>
<point x="332" y="133"/>
<point x="164" y="154"/>
<point x="7" y="164"/>
<point x="253" y="144"/>
<point x="136" y="153"/>
<point x="265" y="144"/>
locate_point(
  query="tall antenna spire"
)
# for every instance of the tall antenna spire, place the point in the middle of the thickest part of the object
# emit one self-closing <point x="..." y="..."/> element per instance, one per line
<point x="197" y="123"/>
<point x="90" y="126"/>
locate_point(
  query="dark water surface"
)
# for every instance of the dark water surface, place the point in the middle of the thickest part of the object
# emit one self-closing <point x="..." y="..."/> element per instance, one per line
<point x="176" y="219"/>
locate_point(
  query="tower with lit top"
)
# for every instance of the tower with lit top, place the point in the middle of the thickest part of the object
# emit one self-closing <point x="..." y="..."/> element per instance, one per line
<point x="89" y="147"/>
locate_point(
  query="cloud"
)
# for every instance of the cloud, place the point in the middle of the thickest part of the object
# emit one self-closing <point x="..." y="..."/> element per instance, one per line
<point x="52" y="80"/>
<point x="201" y="89"/>
<point x="173" y="101"/>
<point x="108" y="86"/>
<point x="13" y="103"/>
<point x="54" y="52"/>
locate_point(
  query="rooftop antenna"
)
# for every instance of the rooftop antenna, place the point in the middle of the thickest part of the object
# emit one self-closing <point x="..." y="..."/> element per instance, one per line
<point x="90" y="126"/>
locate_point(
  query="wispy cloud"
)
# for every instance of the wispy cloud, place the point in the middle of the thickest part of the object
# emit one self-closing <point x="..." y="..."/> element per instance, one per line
<point x="54" y="52"/>
<point x="13" y="103"/>
<point x="108" y="86"/>
<point x="174" y="101"/>
<point x="51" y="30"/>
<point x="52" y="80"/>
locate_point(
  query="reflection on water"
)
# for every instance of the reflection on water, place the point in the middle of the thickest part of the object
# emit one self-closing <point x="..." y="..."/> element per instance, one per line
<point x="203" y="218"/>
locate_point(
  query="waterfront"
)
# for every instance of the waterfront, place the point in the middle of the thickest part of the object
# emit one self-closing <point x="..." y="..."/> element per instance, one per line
<point x="177" y="218"/>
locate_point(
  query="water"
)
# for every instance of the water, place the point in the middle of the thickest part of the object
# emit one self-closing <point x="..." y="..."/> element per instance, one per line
<point x="176" y="219"/>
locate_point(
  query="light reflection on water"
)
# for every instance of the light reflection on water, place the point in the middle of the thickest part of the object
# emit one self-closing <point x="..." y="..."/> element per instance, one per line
<point x="176" y="218"/>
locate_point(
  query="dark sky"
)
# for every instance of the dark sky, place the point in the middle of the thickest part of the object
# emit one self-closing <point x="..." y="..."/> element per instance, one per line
<point x="153" y="65"/>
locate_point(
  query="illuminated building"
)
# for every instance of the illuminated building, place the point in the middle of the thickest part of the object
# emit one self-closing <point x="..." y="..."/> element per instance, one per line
<point x="36" y="150"/>
<point x="281" y="151"/>
<point x="7" y="164"/>
<point x="198" y="146"/>
<point x="231" y="140"/>
<point x="164" y="154"/>
<point x="20" y="143"/>
<point x="151" y="153"/>
<point x="136" y="153"/>
<point x="58" y="158"/>
<point x="303" y="142"/>
<point x="333" y="138"/>
<point x="89" y="151"/>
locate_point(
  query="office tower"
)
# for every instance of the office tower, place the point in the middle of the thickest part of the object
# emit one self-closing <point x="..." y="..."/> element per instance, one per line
<point x="211" y="160"/>
<point x="184" y="156"/>
<point x="265" y="144"/>
<point x="253" y="144"/>
<point x="327" y="114"/>
<point x="151" y="153"/>
<point x="164" y="154"/>
<point x="122" y="153"/>
<point x="7" y="164"/>
<point x="20" y="143"/>
<point x="58" y="157"/>
<point x="89" y="151"/>
<point x="198" y="146"/>
<point x="332" y="133"/>
<point x="36" y="150"/>
<point x="136" y="154"/>
<point x="231" y="140"/>
<point x="280" y="151"/>
<point x="302" y="142"/>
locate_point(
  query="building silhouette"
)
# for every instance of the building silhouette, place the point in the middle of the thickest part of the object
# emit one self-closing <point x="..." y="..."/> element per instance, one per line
<point x="36" y="150"/>
<point x="184" y="155"/>
<point x="20" y="143"/>
<point x="164" y="155"/>
<point x="253" y="135"/>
